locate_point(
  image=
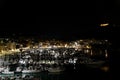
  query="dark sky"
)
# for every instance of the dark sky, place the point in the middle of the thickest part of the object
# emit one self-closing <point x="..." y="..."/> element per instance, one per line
<point x="28" y="19"/>
<point x="49" y="22"/>
<point x="52" y="26"/>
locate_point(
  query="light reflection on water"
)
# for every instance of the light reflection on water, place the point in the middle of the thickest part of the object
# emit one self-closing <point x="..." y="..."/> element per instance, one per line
<point x="105" y="68"/>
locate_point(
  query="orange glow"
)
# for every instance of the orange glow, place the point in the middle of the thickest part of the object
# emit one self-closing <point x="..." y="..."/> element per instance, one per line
<point x="105" y="68"/>
<point x="103" y="25"/>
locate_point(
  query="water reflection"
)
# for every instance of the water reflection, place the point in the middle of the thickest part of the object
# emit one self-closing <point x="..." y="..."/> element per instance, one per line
<point x="106" y="53"/>
<point x="105" y="68"/>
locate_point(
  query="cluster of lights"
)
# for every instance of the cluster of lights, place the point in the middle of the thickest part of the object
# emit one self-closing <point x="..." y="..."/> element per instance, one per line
<point x="78" y="45"/>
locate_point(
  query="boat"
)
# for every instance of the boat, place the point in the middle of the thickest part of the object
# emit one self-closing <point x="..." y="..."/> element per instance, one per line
<point x="31" y="70"/>
<point x="7" y="71"/>
<point x="2" y="69"/>
<point x="55" y="70"/>
<point x="18" y="70"/>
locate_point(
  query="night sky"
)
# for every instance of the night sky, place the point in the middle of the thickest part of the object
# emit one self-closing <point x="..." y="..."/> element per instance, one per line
<point x="51" y="26"/>
<point x="27" y="21"/>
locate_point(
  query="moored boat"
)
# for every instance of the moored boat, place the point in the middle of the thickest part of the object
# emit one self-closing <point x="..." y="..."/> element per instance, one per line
<point x="55" y="70"/>
<point x="7" y="71"/>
